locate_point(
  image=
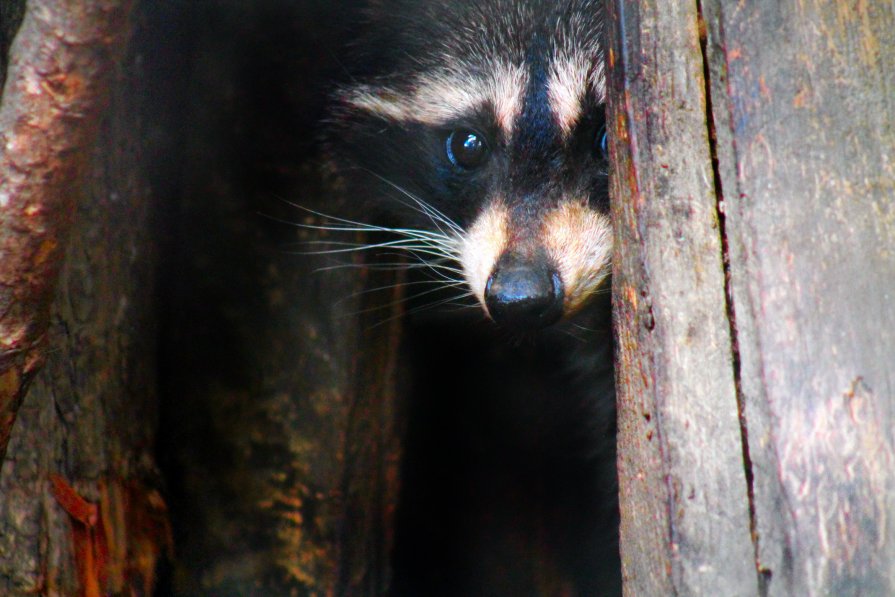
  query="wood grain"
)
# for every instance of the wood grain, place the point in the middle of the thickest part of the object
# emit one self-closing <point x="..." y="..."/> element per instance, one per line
<point x="803" y="102"/>
<point x="755" y="270"/>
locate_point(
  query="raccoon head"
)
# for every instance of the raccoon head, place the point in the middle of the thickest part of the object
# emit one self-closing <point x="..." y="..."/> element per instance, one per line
<point x="491" y="114"/>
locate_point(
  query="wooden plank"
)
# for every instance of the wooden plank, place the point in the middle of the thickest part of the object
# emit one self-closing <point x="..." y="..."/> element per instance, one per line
<point x="803" y="102"/>
<point x="685" y="517"/>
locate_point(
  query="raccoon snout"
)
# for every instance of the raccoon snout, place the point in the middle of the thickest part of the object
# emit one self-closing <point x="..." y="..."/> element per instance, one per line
<point x="524" y="295"/>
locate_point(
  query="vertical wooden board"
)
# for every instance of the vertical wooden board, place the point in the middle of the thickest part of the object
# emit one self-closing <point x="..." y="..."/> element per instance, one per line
<point x="803" y="104"/>
<point x="685" y="517"/>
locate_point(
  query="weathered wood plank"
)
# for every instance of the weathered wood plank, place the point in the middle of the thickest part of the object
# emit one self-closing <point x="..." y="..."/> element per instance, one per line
<point x="685" y="517"/>
<point x="803" y="101"/>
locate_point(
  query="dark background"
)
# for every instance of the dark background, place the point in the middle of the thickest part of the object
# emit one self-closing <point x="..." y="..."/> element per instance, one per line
<point x="236" y="95"/>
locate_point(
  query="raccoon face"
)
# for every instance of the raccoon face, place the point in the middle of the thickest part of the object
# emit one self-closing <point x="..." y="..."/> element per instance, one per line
<point x="490" y="114"/>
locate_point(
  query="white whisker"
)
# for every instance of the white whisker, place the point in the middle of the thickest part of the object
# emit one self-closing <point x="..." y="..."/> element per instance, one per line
<point x="413" y="297"/>
<point x="388" y="266"/>
<point x="423" y="308"/>
<point x="437" y="250"/>
<point x="446" y="301"/>
<point x="405" y="244"/>
<point x="424" y="207"/>
<point x="367" y="291"/>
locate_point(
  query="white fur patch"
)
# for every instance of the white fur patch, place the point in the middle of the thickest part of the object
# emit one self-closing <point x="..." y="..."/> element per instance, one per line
<point x="439" y="97"/>
<point x="482" y="247"/>
<point x="571" y="79"/>
<point x="579" y="241"/>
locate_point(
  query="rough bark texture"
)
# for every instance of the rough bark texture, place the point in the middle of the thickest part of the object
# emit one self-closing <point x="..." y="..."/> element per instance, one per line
<point x="754" y="280"/>
<point x="81" y="512"/>
<point x="61" y="63"/>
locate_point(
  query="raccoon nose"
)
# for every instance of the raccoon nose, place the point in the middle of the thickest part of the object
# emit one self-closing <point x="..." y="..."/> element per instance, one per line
<point x="524" y="295"/>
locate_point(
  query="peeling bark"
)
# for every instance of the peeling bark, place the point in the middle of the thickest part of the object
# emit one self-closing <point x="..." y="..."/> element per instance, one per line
<point x="61" y="64"/>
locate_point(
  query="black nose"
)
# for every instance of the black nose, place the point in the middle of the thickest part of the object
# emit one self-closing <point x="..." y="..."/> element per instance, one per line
<point x="524" y="295"/>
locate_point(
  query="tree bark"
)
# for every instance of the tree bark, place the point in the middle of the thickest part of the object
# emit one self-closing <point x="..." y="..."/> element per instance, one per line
<point x="56" y="86"/>
<point x="81" y="511"/>
<point x="753" y="285"/>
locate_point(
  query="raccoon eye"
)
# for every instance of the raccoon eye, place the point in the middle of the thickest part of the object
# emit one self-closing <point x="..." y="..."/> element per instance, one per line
<point x="466" y="149"/>
<point x="601" y="144"/>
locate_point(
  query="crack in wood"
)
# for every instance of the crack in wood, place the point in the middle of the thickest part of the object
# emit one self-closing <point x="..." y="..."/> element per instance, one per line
<point x="764" y="574"/>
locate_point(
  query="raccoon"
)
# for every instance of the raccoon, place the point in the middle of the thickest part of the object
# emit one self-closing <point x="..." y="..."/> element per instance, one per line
<point x="473" y="132"/>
